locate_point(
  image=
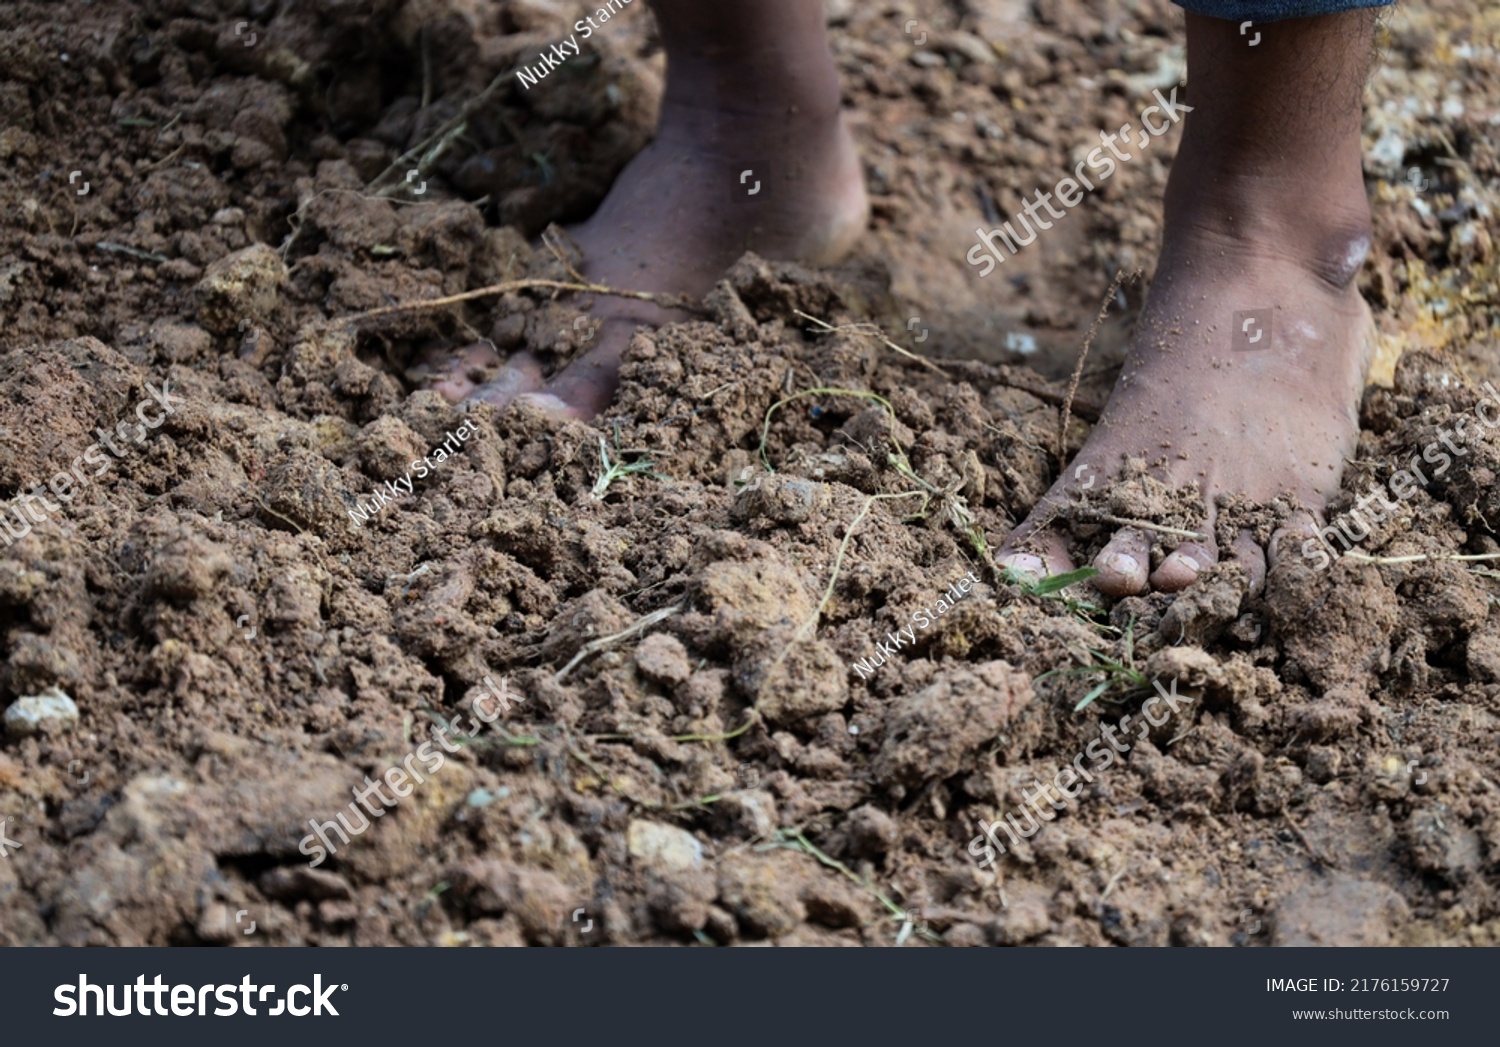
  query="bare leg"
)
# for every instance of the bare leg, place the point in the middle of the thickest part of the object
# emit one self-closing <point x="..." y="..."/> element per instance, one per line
<point x="751" y="85"/>
<point x="1265" y="214"/>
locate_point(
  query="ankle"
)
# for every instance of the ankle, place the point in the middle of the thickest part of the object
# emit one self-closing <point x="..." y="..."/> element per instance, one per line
<point x="1328" y="232"/>
<point x="741" y="129"/>
<point x="772" y="83"/>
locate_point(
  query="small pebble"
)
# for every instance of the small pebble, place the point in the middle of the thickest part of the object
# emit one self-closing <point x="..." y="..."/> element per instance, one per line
<point x="27" y="716"/>
<point x="661" y="845"/>
<point x="483" y="797"/>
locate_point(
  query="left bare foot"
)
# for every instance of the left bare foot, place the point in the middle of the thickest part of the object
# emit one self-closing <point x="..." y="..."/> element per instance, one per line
<point x="751" y="153"/>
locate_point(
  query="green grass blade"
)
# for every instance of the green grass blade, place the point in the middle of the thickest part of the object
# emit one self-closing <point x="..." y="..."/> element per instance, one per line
<point x="1058" y="582"/>
<point x="1095" y="693"/>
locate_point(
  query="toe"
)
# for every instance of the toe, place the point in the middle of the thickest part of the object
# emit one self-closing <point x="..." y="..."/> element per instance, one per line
<point x="450" y="372"/>
<point x="588" y="384"/>
<point x="1024" y="563"/>
<point x="1045" y="553"/>
<point x="455" y="388"/>
<point x="1183" y="565"/>
<point x="1247" y="552"/>
<point x="556" y="406"/>
<point x="521" y="374"/>
<point x="1123" y="563"/>
<point x="1298" y="541"/>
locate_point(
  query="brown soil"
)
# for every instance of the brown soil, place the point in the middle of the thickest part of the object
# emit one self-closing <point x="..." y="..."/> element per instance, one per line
<point x="722" y="774"/>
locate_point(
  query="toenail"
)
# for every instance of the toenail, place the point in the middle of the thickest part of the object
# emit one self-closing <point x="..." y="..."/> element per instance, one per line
<point x="1024" y="563"/>
<point x="1192" y="565"/>
<point x="545" y="402"/>
<point x="1122" y="564"/>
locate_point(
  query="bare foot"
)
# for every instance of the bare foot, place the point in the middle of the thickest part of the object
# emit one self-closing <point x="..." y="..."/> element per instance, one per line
<point x="751" y="154"/>
<point x="1278" y="416"/>
<point x="1267" y="226"/>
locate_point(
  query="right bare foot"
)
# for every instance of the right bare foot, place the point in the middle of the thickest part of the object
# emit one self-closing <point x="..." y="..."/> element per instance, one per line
<point x="746" y="92"/>
<point x="1267" y="225"/>
<point x="1257" y="421"/>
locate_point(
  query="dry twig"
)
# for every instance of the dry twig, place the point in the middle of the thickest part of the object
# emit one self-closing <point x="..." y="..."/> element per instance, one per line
<point x="670" y="301"/>
<point x="1062" y="423"/>
<point x="595" y="646"/>
<point x="1419" y="557"/>
<point x="871" y="329"/>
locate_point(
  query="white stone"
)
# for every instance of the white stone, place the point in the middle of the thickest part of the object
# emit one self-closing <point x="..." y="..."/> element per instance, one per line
<point x="666" y="845"/>
<point x="26" y="716"/>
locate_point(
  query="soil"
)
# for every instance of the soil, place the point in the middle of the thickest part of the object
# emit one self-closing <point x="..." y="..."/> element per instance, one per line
<point x="687" y="753"/>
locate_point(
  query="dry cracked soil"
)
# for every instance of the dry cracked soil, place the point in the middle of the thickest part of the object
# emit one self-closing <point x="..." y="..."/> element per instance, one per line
<point x="203" y="652"/>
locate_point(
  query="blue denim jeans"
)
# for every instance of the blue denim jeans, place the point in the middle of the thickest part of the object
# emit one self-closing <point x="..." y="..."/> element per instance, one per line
<point x="1261" y="11"/>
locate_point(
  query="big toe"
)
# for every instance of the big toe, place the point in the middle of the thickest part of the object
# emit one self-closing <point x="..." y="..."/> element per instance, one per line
<point x="521" y="374"/>
<point x="1045" y="553"/>
<point x="453" y="373"/>
<point x="556" y="406"/>
<point x="587" y="385"/>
